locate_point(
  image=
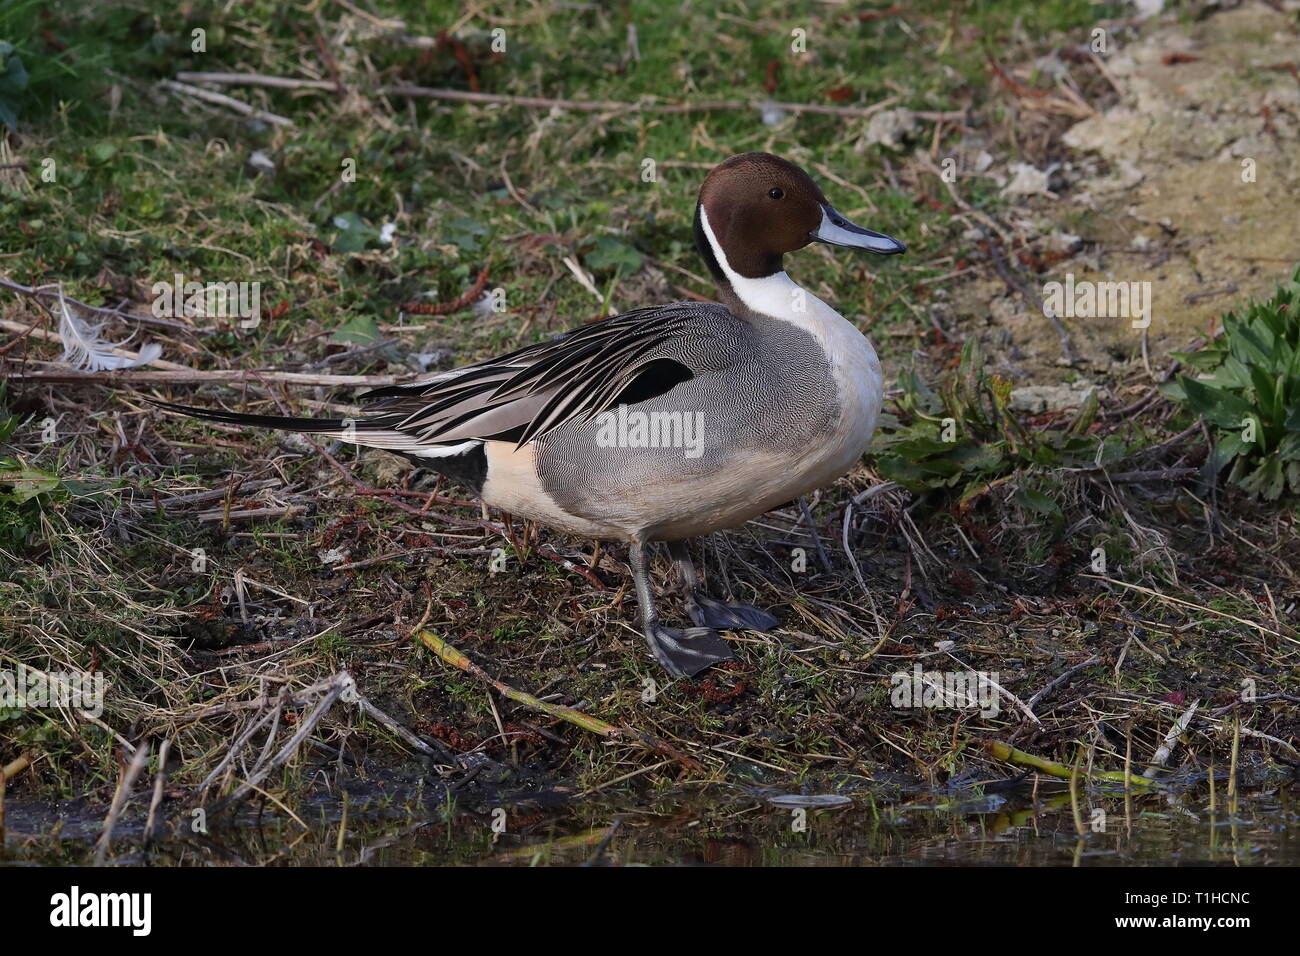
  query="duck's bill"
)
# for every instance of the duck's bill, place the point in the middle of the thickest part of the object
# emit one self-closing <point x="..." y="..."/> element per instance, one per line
<point x="838" y="231"/>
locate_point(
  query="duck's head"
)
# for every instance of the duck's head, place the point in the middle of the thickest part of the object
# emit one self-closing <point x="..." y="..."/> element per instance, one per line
<point x="756" y="207"/>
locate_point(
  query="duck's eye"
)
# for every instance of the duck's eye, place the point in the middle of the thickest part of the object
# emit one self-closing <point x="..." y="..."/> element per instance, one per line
<point x="776" y="192"/>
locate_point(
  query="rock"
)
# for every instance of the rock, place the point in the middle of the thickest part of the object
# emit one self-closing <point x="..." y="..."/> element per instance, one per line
<point x="298" y="442"/>
<point x="1060" y="241"/>
<point x="1027" y="180"/>
<point x="887" y="128"/>
<point x="1035" y="399"/>
<point x="261" y="164"/>
<point x="771" y="114"/>
<point x="424" y="359"/>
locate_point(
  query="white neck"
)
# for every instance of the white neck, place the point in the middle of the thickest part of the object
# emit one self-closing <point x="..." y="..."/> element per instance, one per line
<point x="776" y="295"/>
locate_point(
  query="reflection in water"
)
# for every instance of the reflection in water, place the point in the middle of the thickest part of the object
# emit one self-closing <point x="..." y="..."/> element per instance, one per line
<point x="719" y="827"/>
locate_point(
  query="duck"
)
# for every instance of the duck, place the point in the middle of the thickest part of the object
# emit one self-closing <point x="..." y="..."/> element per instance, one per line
<point x="661" y="424"/>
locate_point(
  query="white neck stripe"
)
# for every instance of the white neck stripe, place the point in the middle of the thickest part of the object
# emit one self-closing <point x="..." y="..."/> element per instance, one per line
<point x="776" y="295"/>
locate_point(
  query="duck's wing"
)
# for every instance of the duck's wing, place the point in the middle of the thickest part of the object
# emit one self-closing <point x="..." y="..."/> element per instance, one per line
<point x="522" y="396"/>
<point x="529" y="392"/>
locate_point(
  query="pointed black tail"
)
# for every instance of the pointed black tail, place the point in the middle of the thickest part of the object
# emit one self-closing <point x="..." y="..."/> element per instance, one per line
<point x="318" y="426"/>
<point x="467" y="466"/>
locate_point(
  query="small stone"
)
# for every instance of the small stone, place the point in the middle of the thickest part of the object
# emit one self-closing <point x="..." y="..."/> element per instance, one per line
<point x="260" y="164"/>
<point x="1035" y="399"/>
<point x="1028" y="180"/>
<point x="771" y="114"/>
<point x="888" y="128"/>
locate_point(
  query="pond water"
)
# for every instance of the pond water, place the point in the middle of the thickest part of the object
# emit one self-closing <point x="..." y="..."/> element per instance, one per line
<point x="715" y="826"/>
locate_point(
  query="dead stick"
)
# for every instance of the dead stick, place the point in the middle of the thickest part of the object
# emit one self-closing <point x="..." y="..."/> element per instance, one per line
<point x="600" y="106"/>
<point x="542" y="102"/>
<point x="340" y="683"/>
<point x="255" y="79"/>
<point x="159" y="781"/>
<point x="221" y="99"/>
<point x="455" y="658"/>
<point x="15" y="767"/>
<point x="1000" y="751"/>
<point x="1160" y="474"/>
<point x="1161" y="755"/>
<point x="405" y="734"/>
<point x="1061" y="680"/>
<point x="119" y="801"/>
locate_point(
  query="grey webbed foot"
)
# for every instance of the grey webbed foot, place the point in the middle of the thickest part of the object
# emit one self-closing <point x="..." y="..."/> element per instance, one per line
<point x="686" y="652"/>
<point x="727" y="615"/>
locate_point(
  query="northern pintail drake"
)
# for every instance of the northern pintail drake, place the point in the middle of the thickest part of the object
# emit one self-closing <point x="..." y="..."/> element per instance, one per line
<point x="665" y="423"/>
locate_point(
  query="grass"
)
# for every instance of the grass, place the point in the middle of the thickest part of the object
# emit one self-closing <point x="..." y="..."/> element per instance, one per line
<point x="99" y="528"/>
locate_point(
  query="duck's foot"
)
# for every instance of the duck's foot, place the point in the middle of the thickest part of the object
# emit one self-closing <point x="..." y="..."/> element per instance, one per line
<point x="687" y="651"/>
<point x="726" y="615"/>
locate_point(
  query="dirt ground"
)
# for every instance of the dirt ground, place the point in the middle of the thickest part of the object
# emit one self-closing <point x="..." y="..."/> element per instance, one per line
<point x="1153" y="188"/>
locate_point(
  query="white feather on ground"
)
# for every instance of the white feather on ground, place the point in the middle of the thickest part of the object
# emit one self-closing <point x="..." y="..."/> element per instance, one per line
<point x="85" y="348"/>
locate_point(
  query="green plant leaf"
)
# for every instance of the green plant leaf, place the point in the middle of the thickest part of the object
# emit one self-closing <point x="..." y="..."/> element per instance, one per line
<point x="101" y="153"/>
<point x="465" y="232"/>
<point x="27" y="482"/>
<point x="358" y="330"/>
<point x="608" y="253"/>
<point x="1266" y="480"/>
<point x="353" y="234"/>
<point x="1086" y="415"/>
<point x="1038" y="502"/>
<point x="1216" y="406"/>
<point x="14" y="77"/>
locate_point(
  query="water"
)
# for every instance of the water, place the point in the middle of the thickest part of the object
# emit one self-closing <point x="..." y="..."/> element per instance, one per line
<point x="701" y="827"/>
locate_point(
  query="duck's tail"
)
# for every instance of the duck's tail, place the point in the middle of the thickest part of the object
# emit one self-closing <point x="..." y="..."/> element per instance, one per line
<point x="462" y="461"/>
<point x="311" y="426"/>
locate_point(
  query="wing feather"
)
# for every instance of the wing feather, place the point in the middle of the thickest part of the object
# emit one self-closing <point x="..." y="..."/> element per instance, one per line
<point x="538" y="388"/>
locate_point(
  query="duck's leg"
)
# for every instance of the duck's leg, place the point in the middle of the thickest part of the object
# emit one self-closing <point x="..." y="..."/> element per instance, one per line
<point x="683" y="653"/>
<point x="708" y="612"/>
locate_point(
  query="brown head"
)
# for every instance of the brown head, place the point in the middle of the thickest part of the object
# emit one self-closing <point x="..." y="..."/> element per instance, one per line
<point x="759" y="207"/>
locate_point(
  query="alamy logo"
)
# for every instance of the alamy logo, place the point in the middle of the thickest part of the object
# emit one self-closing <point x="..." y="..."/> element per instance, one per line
<point x="960" y="690"/>
<point x="222" y="300"/>
<point x="1086" y="299"/>
<point x="32" y="688"/>
<point x="75" y="908"/>
<point x="625" y="429"/>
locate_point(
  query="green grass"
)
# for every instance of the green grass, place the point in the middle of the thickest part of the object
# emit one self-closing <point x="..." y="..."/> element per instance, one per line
<point x="162" y="187"/>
